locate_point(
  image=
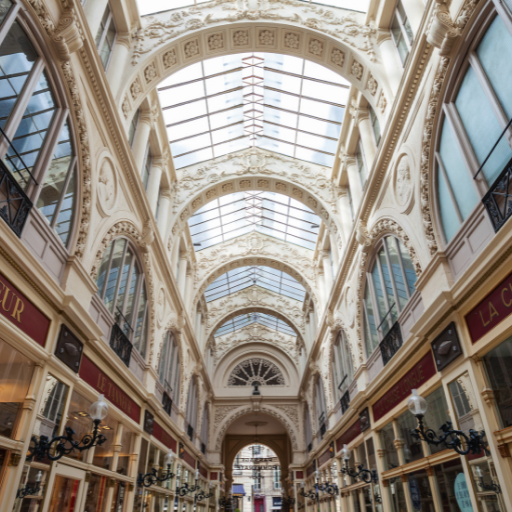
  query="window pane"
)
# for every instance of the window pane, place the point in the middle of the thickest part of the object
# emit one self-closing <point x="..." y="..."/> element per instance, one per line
<point x="389" y="288"/>
<point x="379" y="294"/>
<point x="55" y="180"/>
<point x="100" y="280"/>
<point x="34" y="126"/>
<point x="139" y="338"/>
<point x="494" y="51"/>
<point x="458" y="175"/>
<point x="481" y="126"/>
<point x="5" y="7"/>
<point x="64" y="220"/>
<point x="371" y="338"/>
<point x="410" y="273"/>
<point x="398" y="277"/>
<point x="449" y="216"/>
<point x="113" y="276"/>
<point x="79" y="420"/>
<point x="124" y="279"/>
<point x="17" y="57"/>
<point x="134" y="280"/>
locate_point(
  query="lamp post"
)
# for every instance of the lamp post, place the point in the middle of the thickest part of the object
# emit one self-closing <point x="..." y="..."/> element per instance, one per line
<point x="64" y="445"/>
<point x="451" y="438"/>
<point x="365" y="475"/>
<point x="152" y="477"/>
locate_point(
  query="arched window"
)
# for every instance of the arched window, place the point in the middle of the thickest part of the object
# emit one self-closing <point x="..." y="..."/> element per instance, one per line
<point x="36" y="135"/>
<point x="389" y="286"/>
<point x="121" y="285"/>
<point x="341" y="368"/>
<point x="204" y="429"/>
<point x="474" y="120"/>
<point x="192" y="403"/>
<point x="169" y="373"/>
<point x="320" y="407"/>
<point x="307" y="429"/>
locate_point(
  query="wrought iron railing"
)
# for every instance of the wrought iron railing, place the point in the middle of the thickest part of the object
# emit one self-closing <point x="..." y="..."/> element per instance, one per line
<point x="498" y="199"/>
<point x="345" y="402"/>
<point x="323" y="430"/>
<point x="203" y="448"/>
<point x="190" y="432"/>
<point x="120" y="344"/>
<point x="310" y="447"/>
<point x="15" y="179"/>
<point x="167" y="403"/>
<point x="391" y="343"/>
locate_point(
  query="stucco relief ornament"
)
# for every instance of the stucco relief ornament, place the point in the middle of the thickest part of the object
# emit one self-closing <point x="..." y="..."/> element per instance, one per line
<point x="216" y="42"/>
<point x="382" y="104"/>
<point x="254" y="161"/>
<point x="266" y="38"/>
<point x="160" y="306"/>
<point x="403" y="182"/>
<point x="241" y="38"/>
<point x="350" y="303"/>
<point x="372" y="85"/>
<point x="357" y="70"/>
<point x="316" y="47"/>
<point x="292" y="40"/>
<point x="150" y="73"/>
<point x="191" y="49"/>
<point x="135" y="89"/>
<point x="169" y="58"/>
<point x="337" y="57"/>
<point x="125" y="107"/>
<point x="107" y="188"/>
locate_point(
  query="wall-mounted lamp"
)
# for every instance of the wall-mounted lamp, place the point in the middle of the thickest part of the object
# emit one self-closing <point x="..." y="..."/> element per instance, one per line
<point x="152" y="477"/>
<point x="31" y="491"/>
<point x="364" y="474"/>
<point x="451" y="438"/>
<point x="64" y="445"/>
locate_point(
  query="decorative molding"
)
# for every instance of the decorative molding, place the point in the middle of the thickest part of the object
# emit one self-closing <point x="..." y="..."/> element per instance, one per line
<point x="257" y="370"/>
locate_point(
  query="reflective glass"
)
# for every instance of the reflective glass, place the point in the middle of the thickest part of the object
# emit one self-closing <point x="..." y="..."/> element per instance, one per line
<point x="266" y="212"/>
<point x="229" y="103"/>
<point x="250" y="318"/>
<point x="266" y="277"/>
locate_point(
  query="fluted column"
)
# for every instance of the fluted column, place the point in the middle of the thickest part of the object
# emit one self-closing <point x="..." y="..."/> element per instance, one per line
<point x="367" y="137"/>
<point x="354" y="180"/>
<point x="140" y="143"/>
<point x="163" y="215"/>
<point x="182" y="274"/>
<point x="118" y="61"/>
<point x="188" y="287"/>
<point x="391" y="61"/>
<point x="154" y="183"/>
<point x="346" y="214"/>
<point x="326" y="262"/>
<point x="335" y="251"/>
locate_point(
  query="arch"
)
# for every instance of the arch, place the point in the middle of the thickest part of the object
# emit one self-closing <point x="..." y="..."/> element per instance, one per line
<point x="256" y="370"/>
<point x="259" y="170"/>
<point x="281" y="315"/>
<point x="125" y="228"/>
<point x="368" y="239"/>
<point x="251" y="250"/>
<point x="227" y="416"/>
<point x="336" y="38"/>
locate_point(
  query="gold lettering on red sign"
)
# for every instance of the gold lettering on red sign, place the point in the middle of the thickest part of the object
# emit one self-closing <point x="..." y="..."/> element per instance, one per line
<point x="507" y="305"/>
<point x="19" y="305"/>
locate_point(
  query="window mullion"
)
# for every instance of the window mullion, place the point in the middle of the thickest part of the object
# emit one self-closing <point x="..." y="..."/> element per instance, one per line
<point x="404" y="277"/>
<point x="373" y="298"/>
<point x="448" y="186"/>
<point x="64" y="191"/>
<point x="383" y="284"/>
<point x="20" y="107"/>
<point x="391" y="276"/>
<point x="127" y="288"/>
<point x="105" y="29"/>
<point x="9" y="20"/>
<point x="109" y="268"/>
<point x="119" y="277"/>
<point x="466" y="148"/>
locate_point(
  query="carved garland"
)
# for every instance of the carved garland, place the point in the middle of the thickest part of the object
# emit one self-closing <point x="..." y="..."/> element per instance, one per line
<point x="367" y="240"/>
<point x="126" y="228"/>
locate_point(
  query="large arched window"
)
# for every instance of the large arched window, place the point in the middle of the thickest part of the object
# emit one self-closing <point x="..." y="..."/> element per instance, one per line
<point x="475" y="146"/>
<point x="169" y="373"/>
<point x="389" y="286"/>
<point x="121" y="285"/>
<point x="192" y="404"/>
<point x="36" y="137"/>
<point x="342" y="372"/>
<point x="307" y="429"/>
<point x="320" y="407"/>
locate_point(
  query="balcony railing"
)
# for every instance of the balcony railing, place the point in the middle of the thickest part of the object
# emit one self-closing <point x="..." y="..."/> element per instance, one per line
<point x="391" y="343"/>
<point x="190" y="432"/>
<point x="323" y="430"/>
<point x="15" y="179"/>
<point x="345" y="402"/>
<point x="167" y="403"/>
<point x="120" y="344"/>
<point x="310" y="447"/>
<point x="203" y="450"/>
<point x="498" y="199"/>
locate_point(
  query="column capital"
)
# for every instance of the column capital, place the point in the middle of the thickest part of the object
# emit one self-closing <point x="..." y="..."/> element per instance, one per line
<point x="125" y="39"/>
<point x="399" y="443"/>
<point x="350" y="161"/>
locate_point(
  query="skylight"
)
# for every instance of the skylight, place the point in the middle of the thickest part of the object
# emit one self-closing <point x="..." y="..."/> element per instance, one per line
<point x="154" y="6"/>
<point x="251" y="318"/>
<point x="266" y="277"/>
<point x="282" y="103"/>
<point x="270" y="213"/>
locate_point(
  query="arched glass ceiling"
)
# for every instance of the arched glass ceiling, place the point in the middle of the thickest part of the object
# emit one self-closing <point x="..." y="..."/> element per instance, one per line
<point x="239" y="213"/>
<point x="154" y="6"/>
<point x="252" y="318"/>
<point x="266" y="277"/>
<point x="278" y="102"/>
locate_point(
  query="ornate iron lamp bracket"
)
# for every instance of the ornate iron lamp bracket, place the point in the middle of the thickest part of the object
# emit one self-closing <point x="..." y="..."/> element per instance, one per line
<point x="365" y="475"/>
<point x="152" y="477"/>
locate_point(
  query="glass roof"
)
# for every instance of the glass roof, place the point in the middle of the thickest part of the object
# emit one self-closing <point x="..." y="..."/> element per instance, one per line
<point x="154" y="6"/>
<point x="239" y="213"/>
<point x="251" y="318"/>
<point x="266" y="277"/>
<point x="278" y="102"/>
